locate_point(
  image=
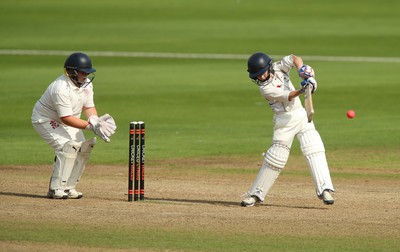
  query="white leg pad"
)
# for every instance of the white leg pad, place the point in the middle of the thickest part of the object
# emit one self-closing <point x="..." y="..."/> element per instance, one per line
<point x="314" y="151"/>
<point x="274" y="161"/>
<point x="63" y="164"/>
<point x="80" y="163"/>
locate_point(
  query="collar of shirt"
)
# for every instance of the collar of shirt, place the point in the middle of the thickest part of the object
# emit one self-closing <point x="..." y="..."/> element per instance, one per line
<point x="69" y="81"/>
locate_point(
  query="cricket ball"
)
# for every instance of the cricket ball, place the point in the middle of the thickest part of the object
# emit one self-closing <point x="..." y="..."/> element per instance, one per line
<point x="351" y="114"/>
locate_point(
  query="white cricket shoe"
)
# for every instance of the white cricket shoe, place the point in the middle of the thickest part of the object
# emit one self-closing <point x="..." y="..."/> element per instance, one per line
<point x="327" y="198"/>
<point x="73" y="194"/>
<point x="249" y="200"/>
<point x="57" y="194"/>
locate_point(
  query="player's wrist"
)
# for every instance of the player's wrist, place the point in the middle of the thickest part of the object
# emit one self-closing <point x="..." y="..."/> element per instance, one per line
<point x="89" y="126"/>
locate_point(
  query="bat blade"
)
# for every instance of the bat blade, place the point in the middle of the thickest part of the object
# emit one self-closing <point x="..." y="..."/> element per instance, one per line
<point x="308" y="103"/>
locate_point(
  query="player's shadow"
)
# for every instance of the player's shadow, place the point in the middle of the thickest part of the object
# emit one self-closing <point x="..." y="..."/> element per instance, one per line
<point x="23" y="195"/>
<point x="195" y="201"/>
<point x="180" y="201"/>
<point x="293" y="207"/>
<point x="228" y="203"/>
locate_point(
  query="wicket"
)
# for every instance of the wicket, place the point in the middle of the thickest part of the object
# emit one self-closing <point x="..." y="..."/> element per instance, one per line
<point x="136" y="160"/>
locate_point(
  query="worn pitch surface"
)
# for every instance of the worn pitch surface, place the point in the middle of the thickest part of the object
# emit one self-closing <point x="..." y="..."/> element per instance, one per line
<point x="206" y="199"/>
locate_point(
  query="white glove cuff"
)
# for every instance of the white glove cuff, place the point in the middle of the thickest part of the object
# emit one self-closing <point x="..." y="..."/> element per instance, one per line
<point x="93" y="122"/>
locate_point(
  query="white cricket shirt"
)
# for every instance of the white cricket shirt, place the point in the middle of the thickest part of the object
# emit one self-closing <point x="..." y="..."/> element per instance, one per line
<point x="62" y="98"/>
<point x="276" y="91"/>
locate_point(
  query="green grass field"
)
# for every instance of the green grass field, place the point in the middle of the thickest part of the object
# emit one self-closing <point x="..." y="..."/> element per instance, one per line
<point x="198" y="108"/>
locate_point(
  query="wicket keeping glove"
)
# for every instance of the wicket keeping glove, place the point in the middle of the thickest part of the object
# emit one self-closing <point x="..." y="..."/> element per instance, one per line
<point x="100" y="128"/>
<point x="109" y="120"/>
<point x="306" y="71"/>
<point x="309" y="81"/>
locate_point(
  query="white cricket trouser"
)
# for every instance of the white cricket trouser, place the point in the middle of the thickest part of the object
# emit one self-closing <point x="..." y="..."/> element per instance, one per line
<point x="286" y="126"/>
<point x="56" y="135"/>
<point x="295" y="123"/>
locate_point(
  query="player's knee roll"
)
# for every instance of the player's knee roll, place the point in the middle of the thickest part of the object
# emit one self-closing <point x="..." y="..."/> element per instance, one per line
<point x="88" y="145"/>
<point x="71" y="147"/>
<point x="311" y="142"/>
<point x="277" y="155"/>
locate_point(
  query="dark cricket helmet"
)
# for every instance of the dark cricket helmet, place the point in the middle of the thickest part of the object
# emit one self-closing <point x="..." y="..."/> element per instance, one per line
<point x="80" y="62"/>
<point x="258" y="64"/>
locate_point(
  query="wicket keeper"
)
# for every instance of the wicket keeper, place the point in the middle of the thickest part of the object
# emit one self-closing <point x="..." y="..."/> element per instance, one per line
<point x="56" y="118"/>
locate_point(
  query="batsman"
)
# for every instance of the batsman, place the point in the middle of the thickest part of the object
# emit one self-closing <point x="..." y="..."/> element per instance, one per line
<point x="290" y="120"/>
<point x="56" y="117"/>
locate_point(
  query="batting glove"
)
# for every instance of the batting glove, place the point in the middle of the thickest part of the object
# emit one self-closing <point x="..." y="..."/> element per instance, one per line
<point x="306" y="71"/>
<point x="309" y="81"/>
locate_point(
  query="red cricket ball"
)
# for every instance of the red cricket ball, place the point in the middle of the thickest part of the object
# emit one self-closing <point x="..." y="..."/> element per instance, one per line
<point x="351" y="114"/>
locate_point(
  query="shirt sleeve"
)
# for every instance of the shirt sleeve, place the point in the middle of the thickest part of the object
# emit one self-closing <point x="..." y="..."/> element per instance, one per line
<point x="62" y="101"/>
<point x="286" y="64"/>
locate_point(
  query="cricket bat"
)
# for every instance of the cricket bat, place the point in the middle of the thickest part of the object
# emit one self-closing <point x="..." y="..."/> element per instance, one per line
<point x="308" y="103"/>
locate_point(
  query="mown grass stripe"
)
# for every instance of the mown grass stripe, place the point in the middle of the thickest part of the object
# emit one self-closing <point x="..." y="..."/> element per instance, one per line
<point x="197" y="56"/>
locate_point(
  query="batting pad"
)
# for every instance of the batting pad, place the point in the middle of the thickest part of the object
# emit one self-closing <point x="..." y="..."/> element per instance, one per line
<point x="274" y="161"/>
<point x="314" y="151"/>
<point x="80" y="163"/>
<point x="63" y="164"/>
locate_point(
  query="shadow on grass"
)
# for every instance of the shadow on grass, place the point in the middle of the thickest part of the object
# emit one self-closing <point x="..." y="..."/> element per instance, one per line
<point x="24" y="195"/>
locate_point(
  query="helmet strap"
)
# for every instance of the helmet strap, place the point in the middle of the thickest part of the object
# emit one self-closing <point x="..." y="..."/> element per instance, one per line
<point x="73" y="76"/>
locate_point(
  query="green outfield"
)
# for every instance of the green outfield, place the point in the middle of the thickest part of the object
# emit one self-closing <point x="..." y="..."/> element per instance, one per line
<point x="205" y="108"/>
